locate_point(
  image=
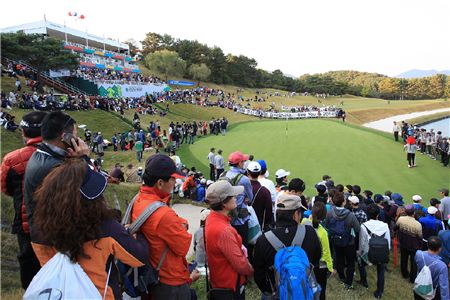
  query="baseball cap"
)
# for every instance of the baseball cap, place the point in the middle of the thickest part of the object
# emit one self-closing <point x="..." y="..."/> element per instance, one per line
<point x="289" y="202"/>
<point x="204" y="214"/>
<point x="432" y="210"/>
<point x="378" y="198"/>
<point x="220" y="190"/>
<point x="325" y="177"/>
<point x="237" y="157"/>
<point x="191" y="173"/>
<point x="203" y="181"/>
<point x="416" y="198"/>
<point x="397" y="197"/>
<point x="353" y="199"/>
<point x="409" y="209"/>
<point x="93" y="184"/>
<point x="209" y="182"/>
<point x="320" y="187"/>
<point x="254" y="167"/>
<point x="282" y="173"/>
<point x="161" y="166"/>
<point x="263" y="164"/>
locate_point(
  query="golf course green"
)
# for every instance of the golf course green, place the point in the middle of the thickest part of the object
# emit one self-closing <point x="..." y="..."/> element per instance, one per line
<point x="312" y="148"/>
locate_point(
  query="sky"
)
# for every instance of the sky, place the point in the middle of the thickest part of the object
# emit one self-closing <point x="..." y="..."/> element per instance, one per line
<point x="298" y="37"/>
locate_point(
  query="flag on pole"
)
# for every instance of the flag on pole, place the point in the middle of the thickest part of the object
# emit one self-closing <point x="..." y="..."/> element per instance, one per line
<point x="74" y="14"/>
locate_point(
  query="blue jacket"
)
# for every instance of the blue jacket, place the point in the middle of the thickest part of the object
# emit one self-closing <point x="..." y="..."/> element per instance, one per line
<point x="201" y="193"/>
<point x="418" y="206"/>
<point x="430" y="226"/>
<point x="444" y="235"/>
<point x="439" y="271"/>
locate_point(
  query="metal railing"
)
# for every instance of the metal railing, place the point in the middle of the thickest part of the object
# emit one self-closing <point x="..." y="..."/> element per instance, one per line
<point x="46" y="79"/>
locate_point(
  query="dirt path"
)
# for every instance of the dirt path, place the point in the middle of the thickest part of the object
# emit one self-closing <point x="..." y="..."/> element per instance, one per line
<point x="387" y="124"/>
<point x="192" y="214"/>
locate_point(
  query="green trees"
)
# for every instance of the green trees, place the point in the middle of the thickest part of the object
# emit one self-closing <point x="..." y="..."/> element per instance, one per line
<point x="199" y="72"/>
<point x="44" y="53"/>
<point x="165" y="62"/>
<point x="201" y="62"/>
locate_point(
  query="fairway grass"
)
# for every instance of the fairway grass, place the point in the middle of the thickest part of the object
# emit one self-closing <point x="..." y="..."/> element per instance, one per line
<point x="313" y="148"/>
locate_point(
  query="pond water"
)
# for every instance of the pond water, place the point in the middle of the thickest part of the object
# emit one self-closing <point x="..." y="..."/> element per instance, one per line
<point x="441" y="125"/>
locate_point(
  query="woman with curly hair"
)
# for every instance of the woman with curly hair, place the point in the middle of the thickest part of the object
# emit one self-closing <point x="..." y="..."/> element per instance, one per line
<point x="72" y="217"/>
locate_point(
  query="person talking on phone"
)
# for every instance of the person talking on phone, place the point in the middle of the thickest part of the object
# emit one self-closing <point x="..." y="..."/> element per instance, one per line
<point x="59" y="140"/>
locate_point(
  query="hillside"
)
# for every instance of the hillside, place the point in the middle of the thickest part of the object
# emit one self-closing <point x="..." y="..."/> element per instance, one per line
<point x="421" y="73"/>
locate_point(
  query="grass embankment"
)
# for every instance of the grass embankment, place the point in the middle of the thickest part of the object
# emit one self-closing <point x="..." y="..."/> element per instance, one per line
<point x="429" y="118"/>
<point x="9" y="84"/>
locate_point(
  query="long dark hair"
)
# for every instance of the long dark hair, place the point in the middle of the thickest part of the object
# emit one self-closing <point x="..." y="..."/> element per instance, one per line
<point x="318" y="212"/>
<point x="64" y="218"/>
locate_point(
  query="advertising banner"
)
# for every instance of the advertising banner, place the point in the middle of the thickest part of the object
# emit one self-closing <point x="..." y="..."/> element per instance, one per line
<point x="129" y="90"/>
<point x="185" y="83"/>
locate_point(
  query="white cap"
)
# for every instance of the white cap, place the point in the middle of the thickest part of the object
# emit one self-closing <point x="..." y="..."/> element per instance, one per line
<point x="416" y="198"/>
<point x="282" y="173"/>
<point x="353" y="199"/>
<point x="203" y="181"/>
<point x="254" y="166"/>
<point x="209" y="182"/>
<point x="432" y="210"/>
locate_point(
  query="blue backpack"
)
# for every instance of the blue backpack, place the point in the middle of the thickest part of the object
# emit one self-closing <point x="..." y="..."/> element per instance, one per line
<point x="294" y="275"/>
<point x="339" y="235"/>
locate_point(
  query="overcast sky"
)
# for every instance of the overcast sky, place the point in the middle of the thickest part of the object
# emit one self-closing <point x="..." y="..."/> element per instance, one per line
<point x="298" y="36"/>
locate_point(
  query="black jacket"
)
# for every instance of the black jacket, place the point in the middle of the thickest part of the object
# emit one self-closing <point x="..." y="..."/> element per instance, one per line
<point x="40" y="164"/>
<point x="264" y="253"/>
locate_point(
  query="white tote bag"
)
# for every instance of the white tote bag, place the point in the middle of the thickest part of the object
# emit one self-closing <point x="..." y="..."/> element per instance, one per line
<point x="254" y="230"/>
<point x="423" y="285"/>
<point x="62" y="279"/>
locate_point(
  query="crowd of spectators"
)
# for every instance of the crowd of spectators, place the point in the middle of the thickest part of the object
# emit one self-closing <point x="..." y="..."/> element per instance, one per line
<point x="113" y="76"/>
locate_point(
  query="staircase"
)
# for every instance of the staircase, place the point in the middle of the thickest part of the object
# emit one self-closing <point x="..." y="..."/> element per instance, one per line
<point x="44" y="78"/>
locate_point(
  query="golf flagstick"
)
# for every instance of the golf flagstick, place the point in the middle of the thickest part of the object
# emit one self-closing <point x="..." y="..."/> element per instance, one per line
<point x="286" y="125"/>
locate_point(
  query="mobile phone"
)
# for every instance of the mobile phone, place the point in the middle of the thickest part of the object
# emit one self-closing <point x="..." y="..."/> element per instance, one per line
<point x="67" y="139"/>
<point x="192" y="266"/>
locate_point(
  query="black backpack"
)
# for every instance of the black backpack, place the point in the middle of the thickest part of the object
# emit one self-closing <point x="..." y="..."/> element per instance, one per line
<point x="378" y="248"/>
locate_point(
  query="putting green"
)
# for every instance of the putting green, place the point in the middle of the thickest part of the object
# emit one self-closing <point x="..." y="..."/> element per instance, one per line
<point x="312" y="148"/>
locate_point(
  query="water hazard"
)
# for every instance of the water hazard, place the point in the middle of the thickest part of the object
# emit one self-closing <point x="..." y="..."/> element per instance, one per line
<point x="441" y="125"/>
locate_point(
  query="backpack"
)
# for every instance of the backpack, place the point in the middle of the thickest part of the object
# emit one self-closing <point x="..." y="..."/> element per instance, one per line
<point x="340" y="236"/>
<point x="60" y="278"/>
<point x="423" y="285"/>
<point x="378" y="248"/>
<point x="294" y="275"/>
<point x="136" y="281"/>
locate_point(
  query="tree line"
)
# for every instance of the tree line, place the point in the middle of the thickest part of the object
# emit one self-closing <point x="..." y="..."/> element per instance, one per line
<point x="191" y="59"/>
<point x="168" y="56"/>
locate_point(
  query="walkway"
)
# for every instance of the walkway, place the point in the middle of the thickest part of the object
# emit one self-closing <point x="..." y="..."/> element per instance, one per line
<point x="387" y="124"/>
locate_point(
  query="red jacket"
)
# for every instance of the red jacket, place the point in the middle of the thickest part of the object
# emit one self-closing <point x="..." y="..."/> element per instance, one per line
<point x="224" y="251"/>
<point x="164" y="229"/>
<point x="12" y="174"/>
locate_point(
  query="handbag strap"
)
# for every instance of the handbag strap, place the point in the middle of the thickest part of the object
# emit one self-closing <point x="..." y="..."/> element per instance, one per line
<point x="107" y="280"/>
<point x="256" y="194"/>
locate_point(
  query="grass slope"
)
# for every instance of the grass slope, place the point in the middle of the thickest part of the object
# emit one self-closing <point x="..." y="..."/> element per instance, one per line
<point x="313" y="148"/>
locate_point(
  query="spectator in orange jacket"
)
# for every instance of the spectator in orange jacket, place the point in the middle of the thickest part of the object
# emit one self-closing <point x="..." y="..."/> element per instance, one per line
<point x="226" y="256"/>
<point x="189" y="184"/>
<point x="13" y="171"/>
<point x="164" y="230"/>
